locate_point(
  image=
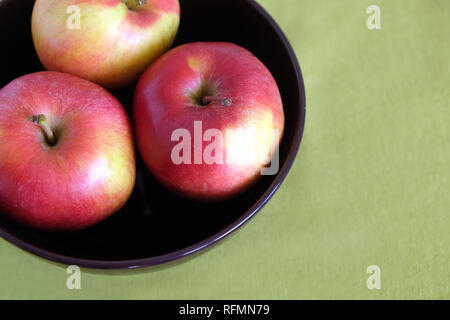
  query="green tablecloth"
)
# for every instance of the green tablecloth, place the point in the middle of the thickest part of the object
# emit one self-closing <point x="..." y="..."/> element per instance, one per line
<point x="370" y="185"/>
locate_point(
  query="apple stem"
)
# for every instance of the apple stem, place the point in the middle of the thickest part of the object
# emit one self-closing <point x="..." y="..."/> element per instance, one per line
<point x="227" y="102"/>
<point x="41" y="121"/>
<point x="131" y="4"/>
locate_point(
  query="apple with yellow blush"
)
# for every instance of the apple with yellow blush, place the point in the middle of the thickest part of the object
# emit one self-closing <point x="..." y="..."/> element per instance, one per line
<point x="67" y="156"/>
<point x="109" y="42"/>
<point x="208" y="118"/>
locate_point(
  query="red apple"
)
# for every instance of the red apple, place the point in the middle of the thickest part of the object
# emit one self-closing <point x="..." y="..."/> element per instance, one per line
<point x="110" y="42"/>
<point x="66" y="152"/>
<point x="208" y="117"/>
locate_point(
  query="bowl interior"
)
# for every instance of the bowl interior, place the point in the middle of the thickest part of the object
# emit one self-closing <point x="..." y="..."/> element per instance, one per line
<point x="155" y="222"/>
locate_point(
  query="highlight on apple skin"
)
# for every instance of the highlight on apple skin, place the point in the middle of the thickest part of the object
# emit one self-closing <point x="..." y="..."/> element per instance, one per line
<point x="206" y="90"/>
<point x="109" y="42"/>
<point x="66" y="152"/>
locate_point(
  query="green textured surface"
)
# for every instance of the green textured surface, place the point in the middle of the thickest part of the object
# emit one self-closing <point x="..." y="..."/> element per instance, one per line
<point x="370" y="184"/>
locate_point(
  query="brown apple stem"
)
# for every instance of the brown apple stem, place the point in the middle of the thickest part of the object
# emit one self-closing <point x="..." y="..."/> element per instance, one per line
<point x="134" y="4"/>
<point x="41" y="121"/>
<point x="227" y="102"/>
<point x="207" y="100"/>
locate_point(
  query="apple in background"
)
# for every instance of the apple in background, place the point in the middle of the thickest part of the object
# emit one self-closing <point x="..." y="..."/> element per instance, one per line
<point x="219" y="97"/>
<point x="109" y="42"/>
<point x="66" y="152"/>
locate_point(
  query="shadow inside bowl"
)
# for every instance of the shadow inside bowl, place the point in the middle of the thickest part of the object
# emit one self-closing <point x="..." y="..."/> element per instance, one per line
<point x="155" y="225"/>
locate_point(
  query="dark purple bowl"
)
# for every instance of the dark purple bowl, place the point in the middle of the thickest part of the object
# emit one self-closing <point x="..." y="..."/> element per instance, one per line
<point x="155" y="226"/>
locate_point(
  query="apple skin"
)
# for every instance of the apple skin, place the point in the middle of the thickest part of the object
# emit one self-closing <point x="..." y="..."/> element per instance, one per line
<point x="114" y="44"/>
<point x="86" y="176"/>
<point x="163" y="103"/>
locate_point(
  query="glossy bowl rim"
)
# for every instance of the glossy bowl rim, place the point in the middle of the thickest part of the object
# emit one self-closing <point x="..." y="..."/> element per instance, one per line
<point x="199" y="246"/>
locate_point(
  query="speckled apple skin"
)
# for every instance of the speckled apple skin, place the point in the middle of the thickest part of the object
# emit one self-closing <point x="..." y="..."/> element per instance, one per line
<point x="162" y="104"/>
<point x="113" y="44"/>
<point x="88" y="175"/>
